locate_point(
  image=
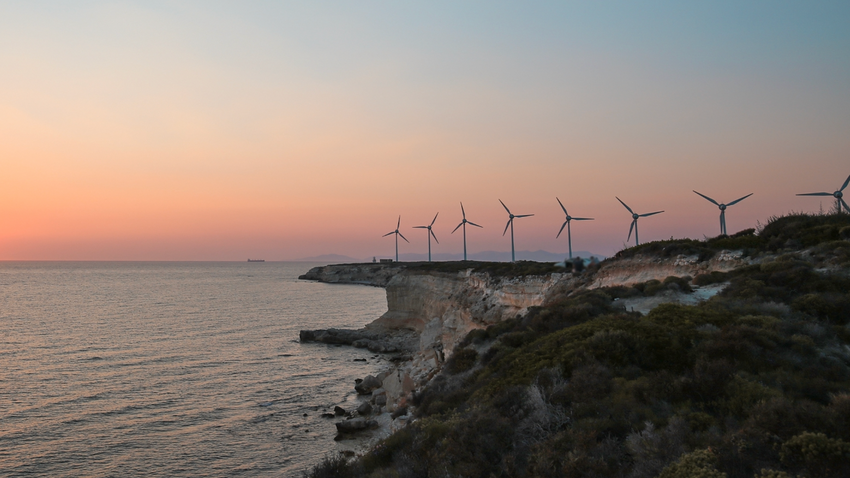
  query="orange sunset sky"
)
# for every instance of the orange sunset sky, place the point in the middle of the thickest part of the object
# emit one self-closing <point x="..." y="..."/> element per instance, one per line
<point x="282" y="130"/>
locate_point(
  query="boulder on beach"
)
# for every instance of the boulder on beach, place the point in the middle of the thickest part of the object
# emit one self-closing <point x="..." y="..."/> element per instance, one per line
<point x="339" y="411"/>
<point x="350" y="426"/>
<point x="367" y="385"/>
<point x="364" y="409"/>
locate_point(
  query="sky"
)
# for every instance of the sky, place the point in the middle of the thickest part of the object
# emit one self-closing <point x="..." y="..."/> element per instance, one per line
<point x="203" y="130"/>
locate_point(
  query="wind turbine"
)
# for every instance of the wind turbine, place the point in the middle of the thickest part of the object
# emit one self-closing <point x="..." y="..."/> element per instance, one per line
<point x="430" y="233"/>
<point x="510" y="223"/>
<point x="635" y="217"/>
<point x="396" y="237"/>
<point x="838" y="195"/>
<point x="567" y="223"/>
<point x="464" y="223"/>
<point x="723" y="209"/>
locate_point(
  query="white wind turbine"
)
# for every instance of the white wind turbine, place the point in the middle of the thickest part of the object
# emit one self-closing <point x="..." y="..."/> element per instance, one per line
<point x="838" y="195"/>
<point x="567" y="224"/>
<point x="430" y="233"/>
<point x="396" y="237"/>
<point x="510" y="224"/>
<point x="464" y="223"/>
<point x="723" y="209"/>
<point x="635" y="217"/>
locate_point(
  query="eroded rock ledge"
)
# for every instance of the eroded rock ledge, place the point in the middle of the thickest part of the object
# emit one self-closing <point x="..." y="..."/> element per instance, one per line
<point x="378" y="275"/>
<point x="375" y="339"/>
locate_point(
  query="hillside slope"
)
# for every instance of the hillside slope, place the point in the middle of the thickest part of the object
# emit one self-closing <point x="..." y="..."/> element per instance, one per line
<point x="753" y="382"/>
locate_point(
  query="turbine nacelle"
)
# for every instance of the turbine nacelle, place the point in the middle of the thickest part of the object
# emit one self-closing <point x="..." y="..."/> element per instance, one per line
<point x="567" y="219"/>
<point x="511" y="217"/>
<point x="635" y="216"/>
<point x="838" y="195"/>
<point x="463" y="223"/>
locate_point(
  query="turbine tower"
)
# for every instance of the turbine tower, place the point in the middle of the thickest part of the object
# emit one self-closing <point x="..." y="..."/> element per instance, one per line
<point x="430" y="233"/>
<point x="510" y="224"/>
<point x="396" y="237"/>
<point x="838" y="195"/>
<point x="635" y="217"/>
<point x="464" y="223"/>
<point x="567" y="224"/>
<point x="723" y="209"/>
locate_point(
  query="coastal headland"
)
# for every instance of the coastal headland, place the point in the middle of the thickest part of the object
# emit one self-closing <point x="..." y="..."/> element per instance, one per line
<point x="432" y="306"/>
<point x="726" y="357"/>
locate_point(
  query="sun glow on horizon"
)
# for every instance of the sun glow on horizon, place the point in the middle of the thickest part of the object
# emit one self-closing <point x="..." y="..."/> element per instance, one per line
<point x="154" y="131"/>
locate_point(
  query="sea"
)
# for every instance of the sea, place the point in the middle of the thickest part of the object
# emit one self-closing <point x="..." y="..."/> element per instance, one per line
<point x="116" y="369"/>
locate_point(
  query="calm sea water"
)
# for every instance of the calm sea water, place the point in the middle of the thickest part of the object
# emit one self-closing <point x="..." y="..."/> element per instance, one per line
<point x="172" y="369"/>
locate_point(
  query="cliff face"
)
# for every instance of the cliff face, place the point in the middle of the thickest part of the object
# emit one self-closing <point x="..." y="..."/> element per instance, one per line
<point x="443" y="308"/>
<point x="642" y="268"/>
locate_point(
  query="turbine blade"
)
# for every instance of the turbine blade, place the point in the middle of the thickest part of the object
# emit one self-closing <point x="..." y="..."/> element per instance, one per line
<point x="435" y="237"/>
<point x="846" y="182"/>
<point x="562" y="229"/>
<point x="582" y="219"/>
<point x="435" y="218"/>
<point x="402" y="236"/>
<point x="712" y="200"/>
<point x="723" y="220"/>
<point x="399" y="222"/>
<point x="846" y="207"/>
<point x="525" y="215"/>
<point x="506" y="226"/>
<point x="562" y="206"/>
<point x="420" y="227"/>
<point x="815" y="194"/>
<point x="458" y="227"/>
<point x="651" y="213"/>
<point x="631" y="228"/>
<point x="739" y="200"/>
<point x="387" y="234"/>
<point x="462" y="211"/>
<point x="506" y="208"/>
<point x="476" y="225"/>
<point x="624" y="205"/>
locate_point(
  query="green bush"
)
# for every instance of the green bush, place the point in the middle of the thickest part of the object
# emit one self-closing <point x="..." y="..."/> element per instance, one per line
<point x="713" y="277"/>
<point x="818" y="454"/>
<point x="461" y="361"/>
<point x="697" y="464"/>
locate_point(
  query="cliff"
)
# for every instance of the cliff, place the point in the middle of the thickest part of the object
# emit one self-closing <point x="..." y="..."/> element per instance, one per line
<point x="432" y="307"/>
<point x="365" y="274"/>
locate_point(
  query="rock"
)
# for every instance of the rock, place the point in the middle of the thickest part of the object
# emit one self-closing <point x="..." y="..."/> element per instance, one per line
<point x="351" y="426"/>
<point x="364" y="409"/>
<point x="359" y="360"/>
<point x="328" y="415"/>
<point x="367" y="385"/>
<point x="381" y="400"/>
<point x="372" y="424"/>
<point x="339" y="411"/>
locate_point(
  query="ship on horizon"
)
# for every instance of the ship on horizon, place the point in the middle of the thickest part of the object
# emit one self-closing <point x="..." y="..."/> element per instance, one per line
<point x="256" y="260"/>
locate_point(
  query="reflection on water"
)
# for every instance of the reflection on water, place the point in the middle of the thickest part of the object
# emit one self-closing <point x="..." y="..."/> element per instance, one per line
<point x="171" y="369"/>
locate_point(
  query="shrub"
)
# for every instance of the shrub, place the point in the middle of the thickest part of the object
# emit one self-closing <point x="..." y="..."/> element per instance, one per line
<point x="714" y="277"/>
<point x="697" y="464"/>
<point x="332" y="466"/>
<point x="461" y="361"/>
<point x="818" y="454"/>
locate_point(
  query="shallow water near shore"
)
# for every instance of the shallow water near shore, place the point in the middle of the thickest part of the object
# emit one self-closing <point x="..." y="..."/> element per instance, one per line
<point x="172" y="369"/>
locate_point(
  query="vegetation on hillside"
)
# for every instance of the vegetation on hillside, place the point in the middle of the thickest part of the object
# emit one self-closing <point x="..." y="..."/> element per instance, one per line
<point x="754" y="382"/>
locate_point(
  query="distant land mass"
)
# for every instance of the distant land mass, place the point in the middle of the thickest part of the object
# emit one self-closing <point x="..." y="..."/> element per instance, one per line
<point x="337" y="258"/>
<point x="484" y="256"/>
